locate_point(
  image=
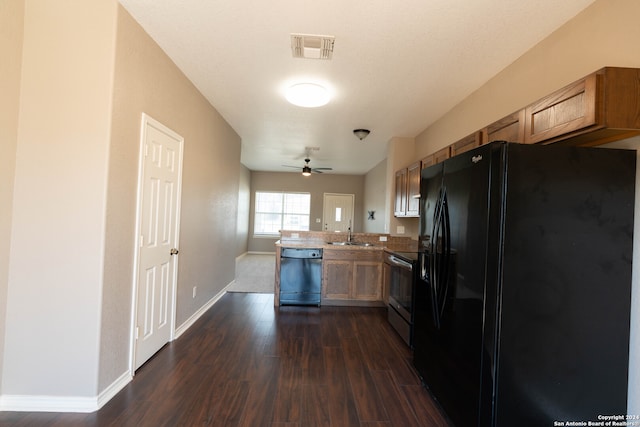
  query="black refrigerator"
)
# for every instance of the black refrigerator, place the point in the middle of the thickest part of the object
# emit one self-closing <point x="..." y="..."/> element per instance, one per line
<point x="522" y="304"/>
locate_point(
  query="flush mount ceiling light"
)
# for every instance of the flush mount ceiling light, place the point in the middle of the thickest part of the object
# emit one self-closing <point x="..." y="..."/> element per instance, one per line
<point x="307" y="95"/>
<point x="361" y="133"/>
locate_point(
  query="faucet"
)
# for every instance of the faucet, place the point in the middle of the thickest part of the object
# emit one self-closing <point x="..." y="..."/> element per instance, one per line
<point x="349" y="232"/>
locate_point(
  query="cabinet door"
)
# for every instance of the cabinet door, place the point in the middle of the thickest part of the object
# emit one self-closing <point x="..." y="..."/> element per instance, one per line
<point x="400" y="208"/>
<point x="367" y="277"/>
<point x="442" y="155"/>
<point x="567" y="110"/>
<point x="336" y="279"/>
<point x="413" y="190"/>
<point x="510" y="128"/>
<point x="437" y="157"/>
<point x="465" y="144"/>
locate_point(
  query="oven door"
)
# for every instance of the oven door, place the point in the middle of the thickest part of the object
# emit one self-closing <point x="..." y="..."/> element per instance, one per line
<point x="401" y="287"/>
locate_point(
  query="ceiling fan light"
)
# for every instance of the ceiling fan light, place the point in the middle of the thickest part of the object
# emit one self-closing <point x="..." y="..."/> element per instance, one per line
<point x="306" y="171"/>
<point x="307" y="95"/>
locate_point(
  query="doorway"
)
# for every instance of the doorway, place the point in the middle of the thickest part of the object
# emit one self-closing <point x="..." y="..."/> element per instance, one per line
<point x="338" y="211"/>
<point x="157" y="227"/>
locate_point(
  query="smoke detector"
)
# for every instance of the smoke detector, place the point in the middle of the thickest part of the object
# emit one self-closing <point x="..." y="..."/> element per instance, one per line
<point x="312" y="46"/>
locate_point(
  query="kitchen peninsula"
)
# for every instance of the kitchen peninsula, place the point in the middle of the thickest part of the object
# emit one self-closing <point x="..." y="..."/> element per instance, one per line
<point x="352" y="274"/>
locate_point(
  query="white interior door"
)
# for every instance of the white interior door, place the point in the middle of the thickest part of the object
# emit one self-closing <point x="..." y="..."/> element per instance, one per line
<point x="338" y="211"/>
<point x="158" y="223"/>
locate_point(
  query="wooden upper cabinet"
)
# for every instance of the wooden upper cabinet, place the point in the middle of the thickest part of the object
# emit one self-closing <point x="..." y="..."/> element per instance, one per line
<point x="413" y="189"/>
<point x="602" y="107"/>
<point x="567" y="110"/>
<point x="407" y="186"/>
<point x="442" y="155"/>
<point x="400" y="205"/>
<point x="437" y="157"/>
<point x="509" y="128"/>
<point x="467" y="143"/>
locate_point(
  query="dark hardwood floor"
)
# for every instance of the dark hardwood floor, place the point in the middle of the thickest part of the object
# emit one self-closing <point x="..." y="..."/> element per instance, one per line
<point x="246" y="363"/>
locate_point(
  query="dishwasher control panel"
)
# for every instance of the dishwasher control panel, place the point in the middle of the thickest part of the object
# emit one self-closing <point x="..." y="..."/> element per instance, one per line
<point x="303" y="253"/>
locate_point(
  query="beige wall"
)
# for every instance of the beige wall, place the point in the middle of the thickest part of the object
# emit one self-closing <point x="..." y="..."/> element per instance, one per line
<point x="317" y="185"/>
<point x="244" y="202"/>
<point x="146" y="80"/>
<point x="58" y="220"/>
<point x="11" y="29"/>
<point x="375" y="199"/>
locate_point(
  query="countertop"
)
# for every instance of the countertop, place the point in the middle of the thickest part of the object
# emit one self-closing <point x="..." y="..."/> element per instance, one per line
<point x="320" y="244"/>
<point x="323" y="240"/>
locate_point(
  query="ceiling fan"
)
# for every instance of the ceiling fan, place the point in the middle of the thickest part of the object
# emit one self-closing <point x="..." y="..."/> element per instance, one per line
<point x="306" y="169"/>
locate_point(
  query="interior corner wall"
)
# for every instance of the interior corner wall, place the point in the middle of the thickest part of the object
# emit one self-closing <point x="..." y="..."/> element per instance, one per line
<point x="11" y="31"/>
<point x="244" y="203"/>
<point x="59" y="201"/>
<point x="147" y="81"/>
<point x="375" y="199"/>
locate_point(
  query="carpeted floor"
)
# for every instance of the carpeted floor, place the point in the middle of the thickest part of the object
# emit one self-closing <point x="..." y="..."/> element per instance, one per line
<point x="255" y="273"/>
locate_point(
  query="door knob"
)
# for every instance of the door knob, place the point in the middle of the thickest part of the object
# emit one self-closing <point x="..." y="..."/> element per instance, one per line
<point x="173" y="251"/>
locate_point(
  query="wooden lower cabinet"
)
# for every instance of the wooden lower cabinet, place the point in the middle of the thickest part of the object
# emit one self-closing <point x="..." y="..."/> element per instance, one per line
<point x="367" y="280"/>
<point x="352" y="275"/>
<point x="336" y="279"/>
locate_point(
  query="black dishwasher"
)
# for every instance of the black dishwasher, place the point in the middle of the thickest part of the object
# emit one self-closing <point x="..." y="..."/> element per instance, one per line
<point x="300" y="276"/>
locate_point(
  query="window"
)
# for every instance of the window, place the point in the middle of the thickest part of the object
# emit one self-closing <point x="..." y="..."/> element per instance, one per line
<point x="281" y="211"/>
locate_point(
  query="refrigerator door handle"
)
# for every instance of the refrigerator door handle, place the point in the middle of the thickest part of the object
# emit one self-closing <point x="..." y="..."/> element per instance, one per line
<point x="446" y="257"/>
<point x="434" y="259"/>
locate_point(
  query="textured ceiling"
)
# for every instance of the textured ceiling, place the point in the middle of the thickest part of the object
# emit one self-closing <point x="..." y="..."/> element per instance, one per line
<point x="397" y="66"/>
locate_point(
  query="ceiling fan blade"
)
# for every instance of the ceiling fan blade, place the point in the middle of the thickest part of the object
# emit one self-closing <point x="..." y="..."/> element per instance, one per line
<point x="289" y="166"/>
<point x="322" y="169"/>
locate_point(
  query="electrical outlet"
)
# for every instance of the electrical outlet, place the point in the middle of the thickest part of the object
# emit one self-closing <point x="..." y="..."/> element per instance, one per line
<point x="195" y="289"/>
<point x="383" y="238"/>
<point x="400" y="229"/>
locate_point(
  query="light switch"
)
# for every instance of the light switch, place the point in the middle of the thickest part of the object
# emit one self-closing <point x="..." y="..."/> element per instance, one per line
<point x="318" y="220"/>
<point x="400" y="229"/>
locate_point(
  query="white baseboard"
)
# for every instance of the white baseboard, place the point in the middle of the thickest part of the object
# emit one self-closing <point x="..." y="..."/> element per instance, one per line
<point x="26" y="403"/>
<point x="115" y="387"/>
<point x="195" y="316"/>
<point x="239" y="257"/>
<point x="48" y="403"/>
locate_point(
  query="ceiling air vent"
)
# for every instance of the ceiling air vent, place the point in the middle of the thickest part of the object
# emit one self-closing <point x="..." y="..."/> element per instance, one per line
<point x="312" y="46"/>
